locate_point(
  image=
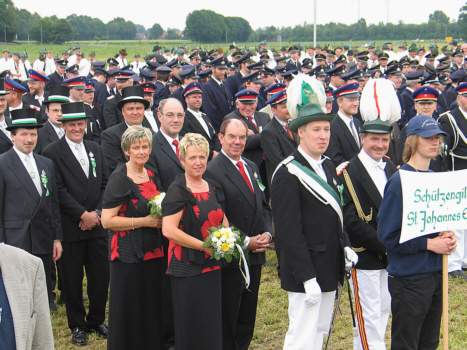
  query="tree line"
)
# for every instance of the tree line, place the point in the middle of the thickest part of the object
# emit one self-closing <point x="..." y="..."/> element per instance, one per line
<point x="208" y="26"/>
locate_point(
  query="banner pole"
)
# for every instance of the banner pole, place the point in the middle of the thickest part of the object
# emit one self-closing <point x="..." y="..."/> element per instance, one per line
<point x="445" y="319"/>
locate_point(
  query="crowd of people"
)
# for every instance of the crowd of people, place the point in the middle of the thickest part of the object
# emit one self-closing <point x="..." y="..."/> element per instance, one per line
<point x="298" y="148"/>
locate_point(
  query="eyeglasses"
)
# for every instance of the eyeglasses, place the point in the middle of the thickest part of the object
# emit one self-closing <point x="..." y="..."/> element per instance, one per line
<point x="174" y="115"/>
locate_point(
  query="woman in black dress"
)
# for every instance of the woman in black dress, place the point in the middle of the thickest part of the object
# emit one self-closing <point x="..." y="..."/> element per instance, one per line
<point x="190" y="208"/>
<point x="136" y="264"/>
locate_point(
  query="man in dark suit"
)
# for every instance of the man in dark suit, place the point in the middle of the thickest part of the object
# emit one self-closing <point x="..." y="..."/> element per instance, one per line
<point x="132" y="106"/>
<point x="197" y="121"/>
<point x="81" y="181"/>
<point x="52" y="130"/>
<point x="246" y="209"/>
<point x="277" y="141"/>
<point x="5" y="137"/>
<point x="111" y="113"/>
<point x="246" y="101"/>
<point x="217" y="99"/>
<point x="294" y="61"/>
<point x="29" y="211"/>
<point x="365" y="178"/>
<point x="94" y="121"/>
<point x="345" y="142"/>
<point x="408" y="109"/>
<point x="311" y="245"/>
<point x="235" y="82"/>
<point x="187" y="75"/>
<point x="162" y="90"/>
<point x="36" y="85"/>
<point x="57" y="77"/>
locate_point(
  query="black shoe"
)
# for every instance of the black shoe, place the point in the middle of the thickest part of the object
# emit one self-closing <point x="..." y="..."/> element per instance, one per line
<point x="101" y="330"/>
<point x="457" y="274"/>
<point x="79" y="337"/>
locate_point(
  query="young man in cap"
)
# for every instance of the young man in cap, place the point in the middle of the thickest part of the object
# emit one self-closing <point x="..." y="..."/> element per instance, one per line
<point x="195" y="120"/>
<point x="29" y="208"/>
<point x="217" y="99"/>
<point x="57" y="77"/>
<point x="247" y="209"/>
<point x="246" y="101"/>
<point x="52" y="130"/>
<point x="81" y="183"/>
<point x="454" y="124"/>
<point x="132" y="106"/>
<point x="277" y="141"/>
<point x="364" y="179"/>
<point x="111" y="112"/>
<point x="149" y="114"/>
<point x="345" y="141"/>
<point x="94" y="129"/>
<point x="234" y="83"/>
<point x="5" y="135"/>
<point x="311" y="245"/>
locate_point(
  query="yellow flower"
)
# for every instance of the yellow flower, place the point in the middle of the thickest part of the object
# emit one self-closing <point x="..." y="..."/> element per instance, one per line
<point x="225" y="247"/>
<point x="217" y="234"/>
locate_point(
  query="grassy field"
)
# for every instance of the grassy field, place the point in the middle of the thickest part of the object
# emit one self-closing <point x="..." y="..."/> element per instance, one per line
<point x="105" y="49"/>
<point x="271" y="322"/>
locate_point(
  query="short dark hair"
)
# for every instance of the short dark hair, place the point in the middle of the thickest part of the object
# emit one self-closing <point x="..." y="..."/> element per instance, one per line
<point x="228" y="121"/>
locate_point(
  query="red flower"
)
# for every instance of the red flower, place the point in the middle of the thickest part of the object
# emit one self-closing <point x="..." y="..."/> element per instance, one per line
<point x="148" y="190"/>
<point x="215" y="218"/>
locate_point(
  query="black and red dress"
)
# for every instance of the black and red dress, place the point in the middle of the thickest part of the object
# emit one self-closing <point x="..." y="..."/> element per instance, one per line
<point x="195" y="276"/>
<point x="136" y="268"/>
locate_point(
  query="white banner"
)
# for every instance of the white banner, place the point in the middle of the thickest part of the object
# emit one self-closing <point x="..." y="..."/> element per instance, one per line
<point x="433" y="202"/>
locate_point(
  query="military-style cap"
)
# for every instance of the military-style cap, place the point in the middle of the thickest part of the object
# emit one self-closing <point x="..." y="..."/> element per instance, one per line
<point x="254" y="77"/>
<point x="336" y="71"/>
<point x="111" y="61"/>
<point x="461" y="89"/>
<point x="187" y="71"/>
<point x="246" y="96"/>
<point x="13" y="85"/>
<point x="34" y="75"/>
<point x="61" y="62"/>
<point x="73" y="69"/>
<point x="148" y="87"/>
<point x="425" y="93"/>
<point x="320" y="57"/>
<point x="219" y="62"/>
<point x="393" y="69"/>
<point x="352" y="75"/>
<point x="192" y="88"/>
<point x="277" y="98"/>
<point x="256" y="65"/>
<point x="383" y="56"/>
<point x="274" y="88"/>
<point x="24" y="118"/>
<point x="75" y="83"/>
<point x="205" y="73"/>
<point x="348" y="90"/>
<point x="163" y="69"/>
<point x="458" y="75"/>
<point x="89" y="85"/>
<point x="413" y="76"/>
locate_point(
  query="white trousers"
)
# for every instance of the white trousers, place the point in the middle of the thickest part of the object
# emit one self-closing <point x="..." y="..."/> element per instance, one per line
<point x="458" y="258"/>
<point x="372" y="307"/>
<point x="308" y="324"/>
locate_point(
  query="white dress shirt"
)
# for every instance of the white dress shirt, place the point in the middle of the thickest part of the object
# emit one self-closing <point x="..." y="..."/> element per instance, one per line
<point x="59" y="131"/>
<point x="3" y="126"/>
<point x="149" y="115"/>
<point x="350" y="122"/>
<point x="199" y="117"/>
<point x="317" y="165"/>
<point x="31" y="167"/>
<point x="234" y="162"/>
<point x="79" y="151"/>
<point x="375" y="169"/>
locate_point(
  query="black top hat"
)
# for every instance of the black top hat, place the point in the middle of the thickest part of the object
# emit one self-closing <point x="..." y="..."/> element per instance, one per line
<point x="73" y="111"/>
<point x="57" y="94"/>
<point x="133" y="94"/>
<point x="24" y="118"/>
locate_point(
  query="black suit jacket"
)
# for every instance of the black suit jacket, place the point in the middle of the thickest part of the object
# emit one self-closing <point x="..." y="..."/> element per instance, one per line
<point x="342" y="145"/>
<point x="234" y="83"/>
<point x="77" y="193"/>
<point x="217" y="102"/>
<point x="245" y="210"/>
<point x="178" y="94"/>
<point x="191" y="124"/>
<point x="253" y="150"/>
<point x="309" y="237"/>
<point x="46" y="135"/>
<point x="5" y="142"/>
<point x="93" y="129"/>
<point x="408" y="108"/>
<point x="361" y="234"/>
<point x="54" y="79"/>
<point x="112" y="115"/>
<point x="276" y="146"/>
<point x="461" y="148"/>
<point x="27" y="220"/>
<point x="164" y="160"/>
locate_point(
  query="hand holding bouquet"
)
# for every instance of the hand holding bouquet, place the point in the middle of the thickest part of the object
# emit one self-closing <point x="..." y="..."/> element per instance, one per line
<point x="155" y="205"/>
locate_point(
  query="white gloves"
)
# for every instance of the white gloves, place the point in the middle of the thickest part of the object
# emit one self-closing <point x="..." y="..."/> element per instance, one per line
<point x="351" y="258"/>
<point x="312" y="292"/>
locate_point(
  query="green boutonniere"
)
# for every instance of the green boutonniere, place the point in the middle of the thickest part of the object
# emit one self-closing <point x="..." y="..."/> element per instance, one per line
<point x="259" y="182"/>
<point x="93" y="164"/>
<point x="340" y="188"/>
<point x="45" y="181"/>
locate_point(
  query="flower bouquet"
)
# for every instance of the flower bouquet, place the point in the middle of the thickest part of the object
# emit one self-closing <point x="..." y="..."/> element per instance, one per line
<point x="155" y="205"/>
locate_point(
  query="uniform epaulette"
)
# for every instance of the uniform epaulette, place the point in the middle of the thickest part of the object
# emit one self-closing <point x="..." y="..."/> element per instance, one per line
<point x="110" y="97"/>
<point x="445" y="113"/>
<point x="287" y="160"/>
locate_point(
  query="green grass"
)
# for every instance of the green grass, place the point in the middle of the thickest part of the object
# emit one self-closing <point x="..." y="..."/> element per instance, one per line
<point x="271" y="321"/>
<point x="108" y="48"/>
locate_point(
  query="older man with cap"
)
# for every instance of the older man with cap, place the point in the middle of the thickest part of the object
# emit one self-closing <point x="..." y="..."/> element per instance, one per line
<point x="111" y="112"/>
<point x="311" y="245"/>
<point x="217" y="99"/>
<point x="277" y="141"/>
<point x="196" y="121"/>
<point x="454" y="124"/>
<point x="246" y="101"/>
<point x="5" y="135"/>
<point x="365" y="178"/>
<point x="345" y="141"/>
<point x="29" y="211"/>
<point x="52" y="130"/>
<point x="81" y="182"/>
<point x="132" y="106"/>
<point x="15" y="93"/>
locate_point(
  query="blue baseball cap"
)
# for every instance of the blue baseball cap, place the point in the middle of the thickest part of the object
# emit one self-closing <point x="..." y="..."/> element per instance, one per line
<point x="423" y="126"/>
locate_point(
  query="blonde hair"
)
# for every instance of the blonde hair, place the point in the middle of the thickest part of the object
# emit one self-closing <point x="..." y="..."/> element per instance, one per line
<point x="411" y="146"/>
<point x="133" y="134"/>
<point x="193" y="140"/>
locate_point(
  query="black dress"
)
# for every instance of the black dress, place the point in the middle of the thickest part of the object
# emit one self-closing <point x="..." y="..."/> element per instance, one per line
<point x="136" y="267"/>
<point x="195" y="277"/>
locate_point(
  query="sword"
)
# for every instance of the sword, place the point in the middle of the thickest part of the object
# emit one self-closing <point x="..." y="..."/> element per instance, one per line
<point x="334" y="313"/>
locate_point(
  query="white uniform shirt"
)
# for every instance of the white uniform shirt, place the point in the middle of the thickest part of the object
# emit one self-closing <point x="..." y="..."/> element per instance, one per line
<point x="375" y="169"/>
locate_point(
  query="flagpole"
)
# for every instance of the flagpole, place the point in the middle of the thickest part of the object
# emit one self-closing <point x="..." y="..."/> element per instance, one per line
<point x="445" y="319"/>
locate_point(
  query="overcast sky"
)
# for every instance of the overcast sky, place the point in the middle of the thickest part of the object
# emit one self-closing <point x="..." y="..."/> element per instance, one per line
<point x="172" y="13"/>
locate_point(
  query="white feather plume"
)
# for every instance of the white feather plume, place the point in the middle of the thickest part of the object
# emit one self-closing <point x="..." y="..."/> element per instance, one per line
<point x="379" y="100"/>
<point x="298" y="96"/>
